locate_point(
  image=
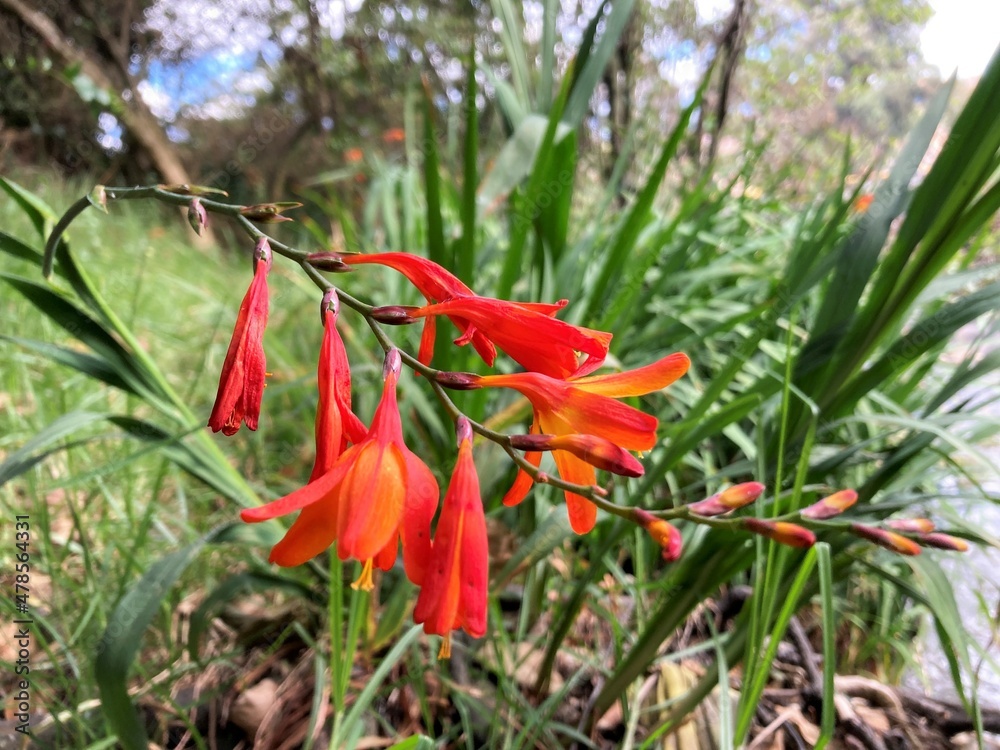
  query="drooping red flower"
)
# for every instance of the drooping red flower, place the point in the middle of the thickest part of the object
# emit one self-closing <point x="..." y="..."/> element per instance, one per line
<point x="436" y="284"/>
<point x="377" y="492"/>
<point x="527" y="333"/>
<point x="586" y="405"/>
<point x="454" y="591"/>
<point x="241" y="385"/>
<point x="336" y="423"/>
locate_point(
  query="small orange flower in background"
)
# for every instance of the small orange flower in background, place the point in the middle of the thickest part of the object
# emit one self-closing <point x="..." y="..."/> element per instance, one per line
<point x="241" y="385"/>
<point x="454" y="591"/>
<point x="394" y="135"/>
<point x="336" y="424"/>
<point x="376" y="492"/>
<point x="353" y="155"/>
<point x="588" y="406"/>
<point x="863" y="202"/>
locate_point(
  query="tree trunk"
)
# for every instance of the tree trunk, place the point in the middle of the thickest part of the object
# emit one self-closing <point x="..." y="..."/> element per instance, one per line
<point x="134" y="114"/>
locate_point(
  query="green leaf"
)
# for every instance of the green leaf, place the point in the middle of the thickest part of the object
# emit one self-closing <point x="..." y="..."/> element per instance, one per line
<point x="36" y="449"/>
<point x="42" y="217"/>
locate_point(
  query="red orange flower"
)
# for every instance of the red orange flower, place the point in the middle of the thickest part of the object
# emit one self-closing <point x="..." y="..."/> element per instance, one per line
<point x="586" y="405"/>
<point x="376" y="491"/>
<point x="241" y="385"/>
<point x="336" y="424"/>
<point x="454" y="590"/>
<point x="437" y="285"/>
<point x="528" y="333"/>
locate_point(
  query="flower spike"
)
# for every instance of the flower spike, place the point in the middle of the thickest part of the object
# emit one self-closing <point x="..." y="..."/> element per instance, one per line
<point x="241" y="384"/>
<point x="455" y="587"/>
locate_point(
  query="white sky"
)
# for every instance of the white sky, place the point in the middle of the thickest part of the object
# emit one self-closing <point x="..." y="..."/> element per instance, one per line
<point x="961" y="34"/>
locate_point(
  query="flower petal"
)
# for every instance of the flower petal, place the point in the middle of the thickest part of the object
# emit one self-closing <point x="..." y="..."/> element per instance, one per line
<point x="582" y="512"/>
<point x="637" y="382"/>
<point x="313" y="531"/>
<point x="311" y="493"/>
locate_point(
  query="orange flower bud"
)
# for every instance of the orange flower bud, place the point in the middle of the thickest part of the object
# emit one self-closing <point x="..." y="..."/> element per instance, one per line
<point x="782" y="532"/>
<point x="862" y="202"/>
<point x="888" y="539"/>
<point x="831" y="506"/>
<point x="729" y="499"/>
<point x="458" y="381"/>
<point x="663" y="533"/>
<point x="943" y="541"/>
<point x="596" y="451"/>
<point x="912" y="525"/>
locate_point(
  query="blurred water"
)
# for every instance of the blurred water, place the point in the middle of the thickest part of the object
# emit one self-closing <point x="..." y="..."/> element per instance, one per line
<point x="977" y="572"/>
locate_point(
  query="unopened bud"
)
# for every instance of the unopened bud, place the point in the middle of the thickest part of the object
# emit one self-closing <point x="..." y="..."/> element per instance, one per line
<point x="393" y="315"/>
<point x="463" y="429"/>
<point x="888" y="539"/>
<point x="269" y="213"/>
<point x="943" y="541"/>
<point x="663" y="533"/>
<point x="328" y="262"/>
<point x="197" y="215"/>
<point x="729" y="499"/>
<point x="393" y="363"/>
<point x="782" y="532"/>
<point x="99" y="198"/>
<point x="458" y="381"/>
<point x="262" y="252"/>
<point x="596" y="451"/>
<point x="831" y="506"/>
<point x="911" y="525"/>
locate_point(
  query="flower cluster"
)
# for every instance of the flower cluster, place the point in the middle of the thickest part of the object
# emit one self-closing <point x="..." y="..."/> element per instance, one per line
<point x="369" y="494"/>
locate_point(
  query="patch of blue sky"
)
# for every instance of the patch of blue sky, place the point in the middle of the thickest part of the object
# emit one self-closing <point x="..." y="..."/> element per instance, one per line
<point x="201" y="79"/>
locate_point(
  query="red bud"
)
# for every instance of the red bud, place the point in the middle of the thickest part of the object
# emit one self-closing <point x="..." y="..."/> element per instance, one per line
<point x="596" y="451"/>
<point x="729" y="499"/>
<point x="831" y="506"/>
<point x="782" y="532"/>
<point x="197" y="215"/>
<point x="393" y="315"/>
<point x="912" y="525"/>
<point x="891" y="541"/>
<point x="943" y="541"/>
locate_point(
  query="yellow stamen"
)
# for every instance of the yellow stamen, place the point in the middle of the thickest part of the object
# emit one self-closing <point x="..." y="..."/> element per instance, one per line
<point x="445" y="652"/>
<point x="364" y="582"/>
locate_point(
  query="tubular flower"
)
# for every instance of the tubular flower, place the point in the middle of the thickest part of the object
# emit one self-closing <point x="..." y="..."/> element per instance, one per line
<point x="585" y="405"/>
<point x="528" y="333"/>
<point x="375" y="492"/>
<point x="241" y="385"/>
<point x="336" y="424"/>
<point x="454" y="590"/>
<point x="437" y="285"/>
